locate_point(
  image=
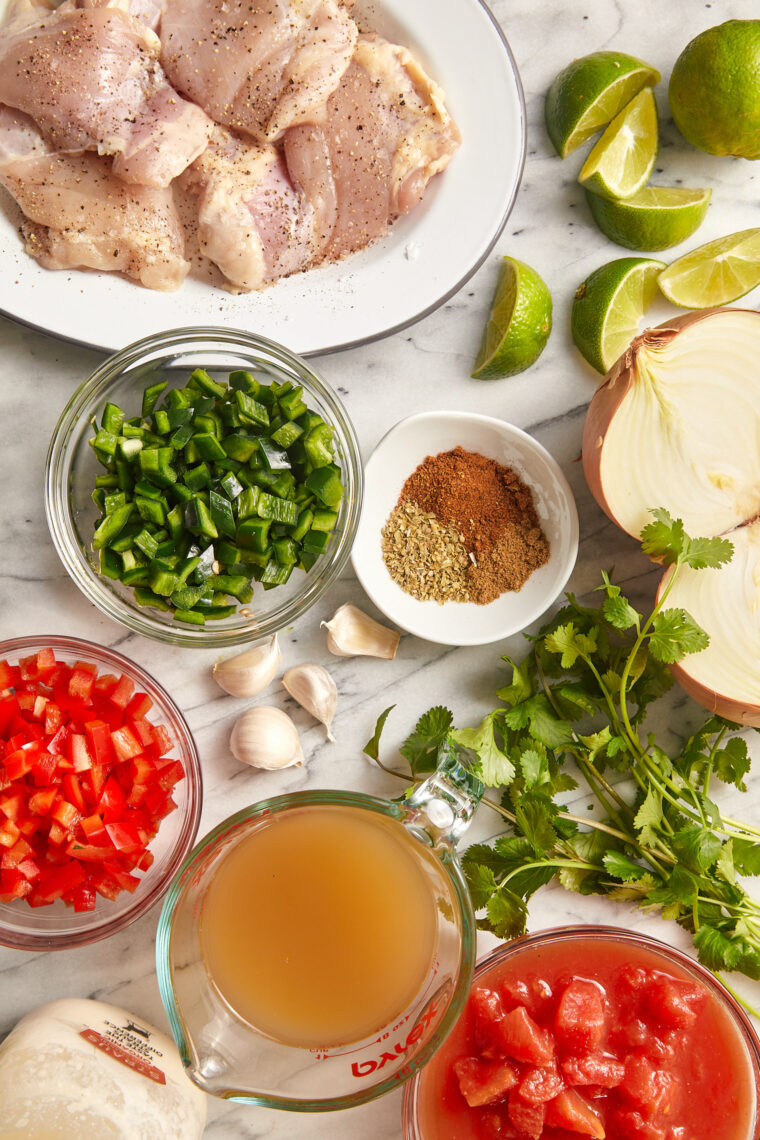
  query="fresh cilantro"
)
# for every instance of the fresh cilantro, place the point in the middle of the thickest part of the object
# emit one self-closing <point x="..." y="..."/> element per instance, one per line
<point x="372" y="747"/>
<point x="578" y="704"/>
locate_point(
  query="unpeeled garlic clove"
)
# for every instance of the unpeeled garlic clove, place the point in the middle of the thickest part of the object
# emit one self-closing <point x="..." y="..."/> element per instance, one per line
<point x="352" y="633"/>
<point x="314" y="689"/>
<point x="250" y="672"/>
<point x="265" y="737"/>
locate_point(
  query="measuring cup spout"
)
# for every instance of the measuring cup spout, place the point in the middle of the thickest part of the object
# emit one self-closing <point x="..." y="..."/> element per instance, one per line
<point x="445" y="802"/>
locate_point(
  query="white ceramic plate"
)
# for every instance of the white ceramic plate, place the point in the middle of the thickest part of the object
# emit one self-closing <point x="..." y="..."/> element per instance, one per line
<point x="424" y="259"/>
<point x="404" y="447"/>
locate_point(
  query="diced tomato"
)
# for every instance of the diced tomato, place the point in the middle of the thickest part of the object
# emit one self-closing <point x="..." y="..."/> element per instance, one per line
<point x="541" y="1084"/>
<point x="593" y="1069"/>
<point x="569" y="1110"/>
<point x="498" y="1126"/>
<point x="527" y="1118"/>
<point x="520" y="1037"/>
<point x="484" y="1082"/>
<point x="631" y="1125"/>
<point x="651" y="1090"/>
<point x="672" y="1002"/>
<point x="581" y="1020"/>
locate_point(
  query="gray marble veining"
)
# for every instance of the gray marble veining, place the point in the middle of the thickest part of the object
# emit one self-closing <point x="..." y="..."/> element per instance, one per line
<point x="426" y="366"/>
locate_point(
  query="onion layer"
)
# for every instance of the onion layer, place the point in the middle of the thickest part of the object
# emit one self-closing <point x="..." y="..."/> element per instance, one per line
<point x="676" y="424"/>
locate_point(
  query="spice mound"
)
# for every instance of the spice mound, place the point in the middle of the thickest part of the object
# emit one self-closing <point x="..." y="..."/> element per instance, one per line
<point x="465" y="529"/>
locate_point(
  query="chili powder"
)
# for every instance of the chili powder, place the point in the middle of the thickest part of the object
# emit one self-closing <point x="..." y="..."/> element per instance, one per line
<point x="491" y="508"/>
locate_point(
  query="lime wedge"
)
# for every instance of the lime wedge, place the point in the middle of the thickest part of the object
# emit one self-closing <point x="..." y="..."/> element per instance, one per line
<point x="609" y="305"/>
<point x="657" y="217"/>
<point x="519" y="323"/>
<point x="622" y="160"/>
<point x="716" y="273"/>
<point x="589" y="92"/>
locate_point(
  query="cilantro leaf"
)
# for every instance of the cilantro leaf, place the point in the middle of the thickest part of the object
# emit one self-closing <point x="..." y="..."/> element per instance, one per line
<point x="481" y="882"/>
<point x="506" y="914"/>
<point x="732" y="762"/>
<point x="421" y="747"/>
<point x="673" y="634"/>
<point x="663" y="539"/>
<point x="696" y="847"/>
<point x="620" y="613"/>
<point x="649" y="817"/>
<point x="535" y="814"/>
<point x="746" y="856"/>
<point x="715" y="950"/>
<point x="621" y="867"/>
<point x="701" y="553"/>
<point x="521" y="687"/>
<point x="569" y="642"/>
<point x="494" y="766"/>
<point x="372" y="747"/>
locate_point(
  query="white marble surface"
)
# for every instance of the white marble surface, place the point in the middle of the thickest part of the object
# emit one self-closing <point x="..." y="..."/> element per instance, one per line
<point x="424" y="367"/>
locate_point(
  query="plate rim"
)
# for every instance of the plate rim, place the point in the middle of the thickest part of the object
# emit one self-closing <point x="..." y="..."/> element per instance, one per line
<point x="371" y="338"/>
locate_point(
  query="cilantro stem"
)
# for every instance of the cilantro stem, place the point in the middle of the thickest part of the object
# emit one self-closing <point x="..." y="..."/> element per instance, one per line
<point x="711" y="759"/>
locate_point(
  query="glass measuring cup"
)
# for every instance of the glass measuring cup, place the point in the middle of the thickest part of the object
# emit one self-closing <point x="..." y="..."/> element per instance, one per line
<point x="227" y="1056"/>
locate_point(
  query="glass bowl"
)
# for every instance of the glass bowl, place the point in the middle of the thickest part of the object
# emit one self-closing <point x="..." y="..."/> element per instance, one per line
<point x="531" y="953"/>
<point x="72" y="467"/>
<point x="57" y="926"/>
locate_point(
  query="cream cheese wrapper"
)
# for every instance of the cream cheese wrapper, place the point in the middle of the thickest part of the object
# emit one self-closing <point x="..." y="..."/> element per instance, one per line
<point x="77" y="1067"/>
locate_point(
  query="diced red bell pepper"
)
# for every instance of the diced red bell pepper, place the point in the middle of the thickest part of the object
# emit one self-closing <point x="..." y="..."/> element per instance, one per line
<point x="484" y="1082"/>
<point x="169" y="774"/>
<point x="19" y="762"/>
<point x="12" y="805"/>
<point x="81" y="681"/>
<point x="8" y="710"/>
<point x="79" y="752"/>
<point x="44" y="769"/>
<point x="99" y="739"/>
<point x="83" y="897"/>
<point x="162" y="739"/>
<point x="122" y="693"/>
<point x="57" y="743"/>
<point x="13" y="885"/>
<point x="66" y="814"/>
<point x="41" y="802"/>
<point x="125" y="744"/>
<point x="9" y="833"/>
<point x="112" y="801"/>
<point x="8" y="674"/>
<point x="124" y="836"/>
<point x="87" y="853"/>
<point x="139" y="706"/>
<point x="52" y="884"/>
<point x="72" y="791"/>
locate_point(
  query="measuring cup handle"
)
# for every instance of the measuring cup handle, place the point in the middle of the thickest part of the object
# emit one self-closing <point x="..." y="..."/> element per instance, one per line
<point x="445" y="802"/>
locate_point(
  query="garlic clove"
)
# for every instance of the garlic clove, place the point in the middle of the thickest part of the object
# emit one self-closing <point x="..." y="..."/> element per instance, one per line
<point x="250" y="672"/>
<point x="314" y="689"/>
<point x="352" y="633"/>
<point x="265" y="737"/>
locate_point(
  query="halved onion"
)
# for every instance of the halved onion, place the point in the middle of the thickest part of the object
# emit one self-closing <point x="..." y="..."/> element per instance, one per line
<point x="725" y="677"/>
<point x="676" y="424"/>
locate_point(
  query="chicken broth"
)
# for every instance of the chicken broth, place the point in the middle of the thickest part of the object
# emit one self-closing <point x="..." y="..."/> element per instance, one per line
<point x="319" y="927"/>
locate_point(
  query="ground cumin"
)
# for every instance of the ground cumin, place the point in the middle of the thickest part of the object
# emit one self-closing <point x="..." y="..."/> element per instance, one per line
<point x="493" y="510"/>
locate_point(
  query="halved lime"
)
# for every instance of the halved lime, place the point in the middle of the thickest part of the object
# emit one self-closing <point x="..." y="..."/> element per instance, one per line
<point x="609" y="305"/>
<point x="657" y="217"/>
<point x="716" y="273"/>
<point x="519" y="323"/>
<point x="622" y="160"/>
<point x="589" y="92"/>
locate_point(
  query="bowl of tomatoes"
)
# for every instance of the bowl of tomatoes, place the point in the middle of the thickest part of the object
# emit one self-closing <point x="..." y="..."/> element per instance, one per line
<point x="591" y="1031"/>
<point x="100" y="792"/>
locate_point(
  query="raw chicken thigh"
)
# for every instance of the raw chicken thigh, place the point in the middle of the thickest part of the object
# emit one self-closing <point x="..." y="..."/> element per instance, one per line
<point x="386" y="132"/>
<point x="91" y="80"/>
<point x="79" y="215"/>
<point x="252" y="223"/>
<point x="258" y="66"/>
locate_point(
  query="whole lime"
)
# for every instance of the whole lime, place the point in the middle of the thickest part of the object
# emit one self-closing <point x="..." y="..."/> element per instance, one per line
<point x="714" y="90"/>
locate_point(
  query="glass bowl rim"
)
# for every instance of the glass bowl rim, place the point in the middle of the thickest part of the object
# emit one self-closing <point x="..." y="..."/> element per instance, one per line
<point x="142" y="901"/>
<point x="58" y="500"/>
<point x="460" y="992"/>
<point x="603" y="932"/>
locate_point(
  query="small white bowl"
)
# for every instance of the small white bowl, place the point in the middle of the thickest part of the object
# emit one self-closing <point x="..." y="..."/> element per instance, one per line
<point x="394" y="459"/>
